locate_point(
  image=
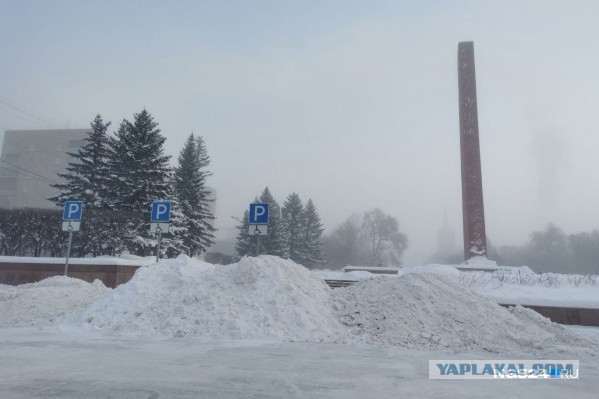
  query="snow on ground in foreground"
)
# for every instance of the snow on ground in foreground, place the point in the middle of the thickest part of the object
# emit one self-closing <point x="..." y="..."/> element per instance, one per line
<point x="257" y="297"/>
<point x="69" y="365"/>
<point x="268" y="297"/>
<point x="47" y="301"/>
<point x="425" y="310"/>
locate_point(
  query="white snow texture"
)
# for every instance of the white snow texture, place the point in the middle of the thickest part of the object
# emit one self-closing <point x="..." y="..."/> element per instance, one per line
<point x="47" y="301"/>
<point x="257" y="297"/>
<point x="273" y="298"/>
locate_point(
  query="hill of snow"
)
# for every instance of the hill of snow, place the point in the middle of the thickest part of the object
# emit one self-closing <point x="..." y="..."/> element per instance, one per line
<point x="268" y="297"/>
<point x="47" y="301"/>
<point x="257" y="297"/>
<point x="426" y="310"/>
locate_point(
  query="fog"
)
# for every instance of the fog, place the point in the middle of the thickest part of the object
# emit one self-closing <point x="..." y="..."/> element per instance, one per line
<point x="352" y="104"/>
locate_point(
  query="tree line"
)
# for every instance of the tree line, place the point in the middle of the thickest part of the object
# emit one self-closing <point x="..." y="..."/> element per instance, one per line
<point x="117" y="178"/>
<point x="552" y="250"/>
<point x="294" y="232"/>
<point x="547" y="250"/>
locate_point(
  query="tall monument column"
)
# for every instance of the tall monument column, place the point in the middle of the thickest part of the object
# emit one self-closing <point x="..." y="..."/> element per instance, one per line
<point x="473" y="210"/>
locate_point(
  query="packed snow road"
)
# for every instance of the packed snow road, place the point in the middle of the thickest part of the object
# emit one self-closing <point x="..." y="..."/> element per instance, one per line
<point x="55" y="364"/>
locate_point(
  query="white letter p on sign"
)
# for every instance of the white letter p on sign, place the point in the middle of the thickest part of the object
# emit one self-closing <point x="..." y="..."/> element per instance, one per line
<point x="260" y="211"/>
<point x="73" y="209"/>
<point x="160" y="210"/>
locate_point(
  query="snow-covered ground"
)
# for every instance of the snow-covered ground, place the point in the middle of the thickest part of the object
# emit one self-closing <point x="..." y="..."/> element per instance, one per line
<point x="508" y="285"/>
<point x="54" y="364"/>
<point x="267" y="327"/>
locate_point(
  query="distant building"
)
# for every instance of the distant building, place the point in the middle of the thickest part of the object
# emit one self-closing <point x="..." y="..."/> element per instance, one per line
<point x="41" y="154"/>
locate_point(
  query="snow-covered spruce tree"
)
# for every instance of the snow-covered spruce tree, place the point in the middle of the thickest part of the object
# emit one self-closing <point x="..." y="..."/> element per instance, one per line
<point x="141" y="174"/>
<point x="173" y="243"/>
<point x="293" y="222"/>
<point x="246" y="244"/>
<point x="275" y="242"/>
<point x="87" y="176"/>
<point x="313" y="247"/>
<point x="194" y="197"/>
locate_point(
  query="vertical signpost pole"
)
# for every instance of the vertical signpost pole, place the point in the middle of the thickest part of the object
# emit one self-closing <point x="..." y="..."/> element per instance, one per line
<point x="66" y="265"/>
<point x="257" y="245"/>
<point x="159" y="231"/>
<point x="71" y="221"/>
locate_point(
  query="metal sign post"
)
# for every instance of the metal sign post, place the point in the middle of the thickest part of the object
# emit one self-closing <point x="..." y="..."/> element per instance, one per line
<point x="159" y="221"/>
<point x="159" y="231"/>
<point x="66" y="265"/>
<point x="71" y="221"/>
<point x="258" y="222"/>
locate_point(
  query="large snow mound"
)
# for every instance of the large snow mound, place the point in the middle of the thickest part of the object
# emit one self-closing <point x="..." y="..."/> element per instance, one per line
<point x="423" y="310"/>
<point x="47" y="301"/>
<point x="257" y="297"/>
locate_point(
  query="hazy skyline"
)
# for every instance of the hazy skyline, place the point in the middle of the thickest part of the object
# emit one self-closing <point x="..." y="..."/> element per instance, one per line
<point x="352" y="104"/>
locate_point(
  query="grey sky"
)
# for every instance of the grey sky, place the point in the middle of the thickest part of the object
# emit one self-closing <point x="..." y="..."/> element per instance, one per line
<point x="352" y="104"/>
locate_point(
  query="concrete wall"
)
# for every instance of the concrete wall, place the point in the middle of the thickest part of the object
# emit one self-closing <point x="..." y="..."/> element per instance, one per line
<point x="22" y="273"/>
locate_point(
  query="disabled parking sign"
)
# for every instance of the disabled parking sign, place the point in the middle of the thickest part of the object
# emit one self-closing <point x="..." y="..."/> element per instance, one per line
<point x="258" y="213"/>
<point x="161" y="212"/>
<point x="72" y="211"/>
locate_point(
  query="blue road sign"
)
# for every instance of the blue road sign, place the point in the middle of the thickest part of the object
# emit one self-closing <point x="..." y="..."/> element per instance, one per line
<point x="72" y="210"/>
<point x="161" y="212"/>
<point x="258" y="213"/>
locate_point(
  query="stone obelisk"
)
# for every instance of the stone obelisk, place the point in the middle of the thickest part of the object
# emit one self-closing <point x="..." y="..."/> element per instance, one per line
<point x="473" y="210"/>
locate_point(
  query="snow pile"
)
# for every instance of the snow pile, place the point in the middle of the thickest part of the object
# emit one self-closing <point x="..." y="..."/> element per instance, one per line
<point x="430" y="311"/>
<point x="257" y="297"/>
<point x="47" y="301"/>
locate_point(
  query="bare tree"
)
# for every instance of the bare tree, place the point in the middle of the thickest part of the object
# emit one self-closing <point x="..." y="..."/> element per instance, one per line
<point x="386" y="242"/>
<point x="372" y="238"/>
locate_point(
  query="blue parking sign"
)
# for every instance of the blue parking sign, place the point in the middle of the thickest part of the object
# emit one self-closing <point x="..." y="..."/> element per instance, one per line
<point x="161" y="212"/>
<point x="72" y="210"/>
<point x="258" y="213"/>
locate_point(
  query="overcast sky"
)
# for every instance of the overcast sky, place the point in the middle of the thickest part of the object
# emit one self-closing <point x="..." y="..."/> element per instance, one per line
<point x="352" y="104"/>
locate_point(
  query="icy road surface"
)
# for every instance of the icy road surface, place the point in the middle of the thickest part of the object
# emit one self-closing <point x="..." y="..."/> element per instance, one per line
<point x="51" y="364"/>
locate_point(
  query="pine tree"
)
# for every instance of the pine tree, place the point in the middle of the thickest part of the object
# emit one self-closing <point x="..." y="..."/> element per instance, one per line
<point x="173" y="243"/>
<point x="275" y="242"/>
<point x="246" y="244"/>
<point x="141" y="175"/>
<point x="87" y="176"/>
<point x="293" y="222"/>
<point x="313" y="250"/>
<point x="191" y="191"/>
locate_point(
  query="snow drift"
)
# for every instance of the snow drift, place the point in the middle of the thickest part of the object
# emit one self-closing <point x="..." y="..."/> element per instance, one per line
<point x="257" y="297"/>
<point x="47" y="301"/>
<point x="432" y="311"/>
<point x="269" y="297"/>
